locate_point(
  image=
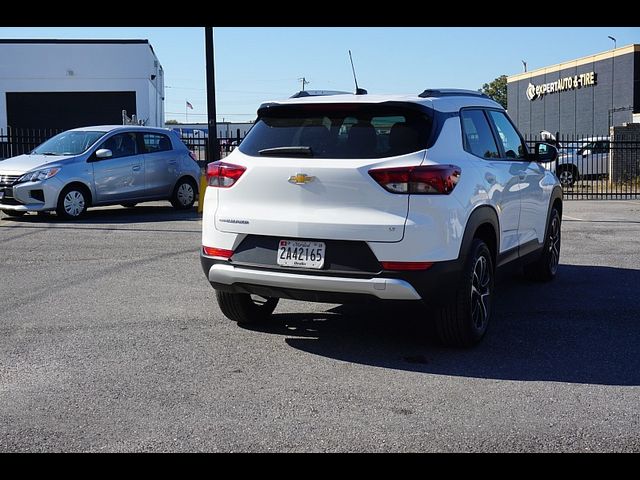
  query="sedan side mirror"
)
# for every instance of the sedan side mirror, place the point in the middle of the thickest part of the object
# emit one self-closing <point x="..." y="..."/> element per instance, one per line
<point x="545" y="153"/>
<point x="104" y="153"/>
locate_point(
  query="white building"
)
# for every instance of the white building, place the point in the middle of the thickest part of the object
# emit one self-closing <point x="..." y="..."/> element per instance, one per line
<point x="63" y="84"/>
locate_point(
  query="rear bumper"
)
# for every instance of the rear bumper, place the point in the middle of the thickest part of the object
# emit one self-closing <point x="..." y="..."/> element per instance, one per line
<point x="383" y="288"/>
<point x="433" y="286"/>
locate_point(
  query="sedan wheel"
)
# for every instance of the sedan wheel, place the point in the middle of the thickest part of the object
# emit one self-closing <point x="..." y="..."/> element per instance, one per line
<point x="72" y="203"/>
<point x="184" y="195"/>
<point x="567" y="177"/>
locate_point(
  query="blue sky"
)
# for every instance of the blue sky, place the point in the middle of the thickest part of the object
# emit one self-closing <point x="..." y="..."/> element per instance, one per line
<point x="258" y="64"/>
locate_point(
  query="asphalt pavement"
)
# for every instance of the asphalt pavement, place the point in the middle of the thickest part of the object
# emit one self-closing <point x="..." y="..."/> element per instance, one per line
<point x="111" y="341"/>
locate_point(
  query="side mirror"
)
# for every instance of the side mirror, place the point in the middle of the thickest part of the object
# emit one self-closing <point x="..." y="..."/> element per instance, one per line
<point x="104" y="153"/>
<point x="545" y="153"/>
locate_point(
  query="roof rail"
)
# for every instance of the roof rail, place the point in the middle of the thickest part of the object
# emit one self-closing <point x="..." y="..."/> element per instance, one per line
<point x="317" y="93"/>
<point x="451" y="92"/>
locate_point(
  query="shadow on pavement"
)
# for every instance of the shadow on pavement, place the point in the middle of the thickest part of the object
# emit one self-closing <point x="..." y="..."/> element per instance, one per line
<point x="584" y="327"/>
<point x="109" y="215"/>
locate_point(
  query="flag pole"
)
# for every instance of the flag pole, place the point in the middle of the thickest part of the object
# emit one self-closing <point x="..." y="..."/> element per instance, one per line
<point x="186" y="112"/>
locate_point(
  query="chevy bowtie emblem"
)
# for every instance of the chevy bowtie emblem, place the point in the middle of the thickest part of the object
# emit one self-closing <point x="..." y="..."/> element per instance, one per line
<point x="300" y="178"/>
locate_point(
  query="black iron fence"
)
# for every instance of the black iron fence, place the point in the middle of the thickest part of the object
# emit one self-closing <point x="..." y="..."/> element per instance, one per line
<point x="589" y="167"/>
<point x="198" y="144"/>
<point x="596" y="167"/>
<point x="14" y="141"/>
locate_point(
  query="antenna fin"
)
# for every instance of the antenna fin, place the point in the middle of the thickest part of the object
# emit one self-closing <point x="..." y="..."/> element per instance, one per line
<point x="359" y="91"/>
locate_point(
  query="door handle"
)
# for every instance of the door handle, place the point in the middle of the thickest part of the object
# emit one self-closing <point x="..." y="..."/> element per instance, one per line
<point x="136" y="168"/>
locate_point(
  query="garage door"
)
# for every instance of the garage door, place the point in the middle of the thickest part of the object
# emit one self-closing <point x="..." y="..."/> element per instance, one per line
<point x="64" y="110"/>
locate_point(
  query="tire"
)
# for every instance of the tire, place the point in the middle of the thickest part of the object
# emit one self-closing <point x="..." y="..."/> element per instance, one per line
<point x="129" y="204"/>
<point x="184" y="194"/>
<point x="72" y="202"/>
<point x="464" y="322"/>
<point x="13" y="213"/>
<point x="546" y="267"/>
<point x="243" y="309"/>
<point x="568" y="175"/>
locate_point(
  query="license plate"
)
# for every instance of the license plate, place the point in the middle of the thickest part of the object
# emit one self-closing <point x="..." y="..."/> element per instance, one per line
<point x="294" y="253"/>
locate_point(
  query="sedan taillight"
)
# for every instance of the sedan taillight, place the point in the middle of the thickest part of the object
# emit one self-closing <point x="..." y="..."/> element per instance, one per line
<point x="422" y="180"/>
<point x="223" y="175"/>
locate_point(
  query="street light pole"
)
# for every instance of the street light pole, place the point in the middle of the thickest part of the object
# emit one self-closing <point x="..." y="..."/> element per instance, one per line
<point x="213" y="150"/>
<point x="613" y="71"/>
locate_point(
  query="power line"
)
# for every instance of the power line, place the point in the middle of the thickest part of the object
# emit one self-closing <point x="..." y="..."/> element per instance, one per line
<point x="218" y="114"/>
<point x="248" y="92"/>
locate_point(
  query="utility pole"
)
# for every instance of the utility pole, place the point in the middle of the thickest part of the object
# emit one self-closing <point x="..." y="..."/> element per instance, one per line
<point x="213" y="149"/>
<point x="304" y="82"/>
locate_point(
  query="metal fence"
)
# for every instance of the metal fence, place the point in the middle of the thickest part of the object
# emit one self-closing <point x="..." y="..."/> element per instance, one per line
<point x="589" y="167"/>
<point x="596" y="167"/>
<point x="198" y="144"/>
<point x="14" y="141"/>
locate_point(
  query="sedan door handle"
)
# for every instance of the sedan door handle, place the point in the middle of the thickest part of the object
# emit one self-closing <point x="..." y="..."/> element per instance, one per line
<point x="136" y="168"/>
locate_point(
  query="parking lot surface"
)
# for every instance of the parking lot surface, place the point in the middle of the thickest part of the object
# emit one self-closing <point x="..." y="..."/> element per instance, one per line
<point x="111" y="340"/>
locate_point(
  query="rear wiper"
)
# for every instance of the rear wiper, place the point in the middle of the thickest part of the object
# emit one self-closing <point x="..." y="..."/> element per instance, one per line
<point x="295" y="151"/>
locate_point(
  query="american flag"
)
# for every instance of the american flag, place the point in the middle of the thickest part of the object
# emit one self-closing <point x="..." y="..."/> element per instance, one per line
<point x="189" y="105"/>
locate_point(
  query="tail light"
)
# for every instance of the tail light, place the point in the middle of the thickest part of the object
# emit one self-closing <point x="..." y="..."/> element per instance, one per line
<point x="423" y="179"/>
<point x="217" y="252"/>
<point x="223" y="175"/>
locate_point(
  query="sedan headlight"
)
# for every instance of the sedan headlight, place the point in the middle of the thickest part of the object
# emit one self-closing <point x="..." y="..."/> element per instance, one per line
<point x="39" y="175"/>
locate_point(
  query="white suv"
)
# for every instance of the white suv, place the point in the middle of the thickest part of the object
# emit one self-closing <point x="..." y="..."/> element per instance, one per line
<point x="346" y="197"/>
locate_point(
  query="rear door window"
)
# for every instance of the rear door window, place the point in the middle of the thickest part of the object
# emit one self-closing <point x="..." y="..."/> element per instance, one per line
<point x="338" y="131"/>
<point x="156" y="142"/>
<point x="478" y="138"/>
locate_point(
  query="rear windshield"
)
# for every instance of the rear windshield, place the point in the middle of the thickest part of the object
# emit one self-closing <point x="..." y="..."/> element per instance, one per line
<point x="338" y="131"/>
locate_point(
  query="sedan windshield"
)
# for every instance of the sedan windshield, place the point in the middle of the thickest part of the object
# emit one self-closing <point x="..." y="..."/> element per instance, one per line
<point x="68" y="143"/>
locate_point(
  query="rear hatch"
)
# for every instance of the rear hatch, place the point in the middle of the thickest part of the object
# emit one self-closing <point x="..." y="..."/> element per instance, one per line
<point x="307" y="171"/>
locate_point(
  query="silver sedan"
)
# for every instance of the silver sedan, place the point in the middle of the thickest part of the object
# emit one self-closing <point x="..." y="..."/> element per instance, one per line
<point x="101" y="165"/>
